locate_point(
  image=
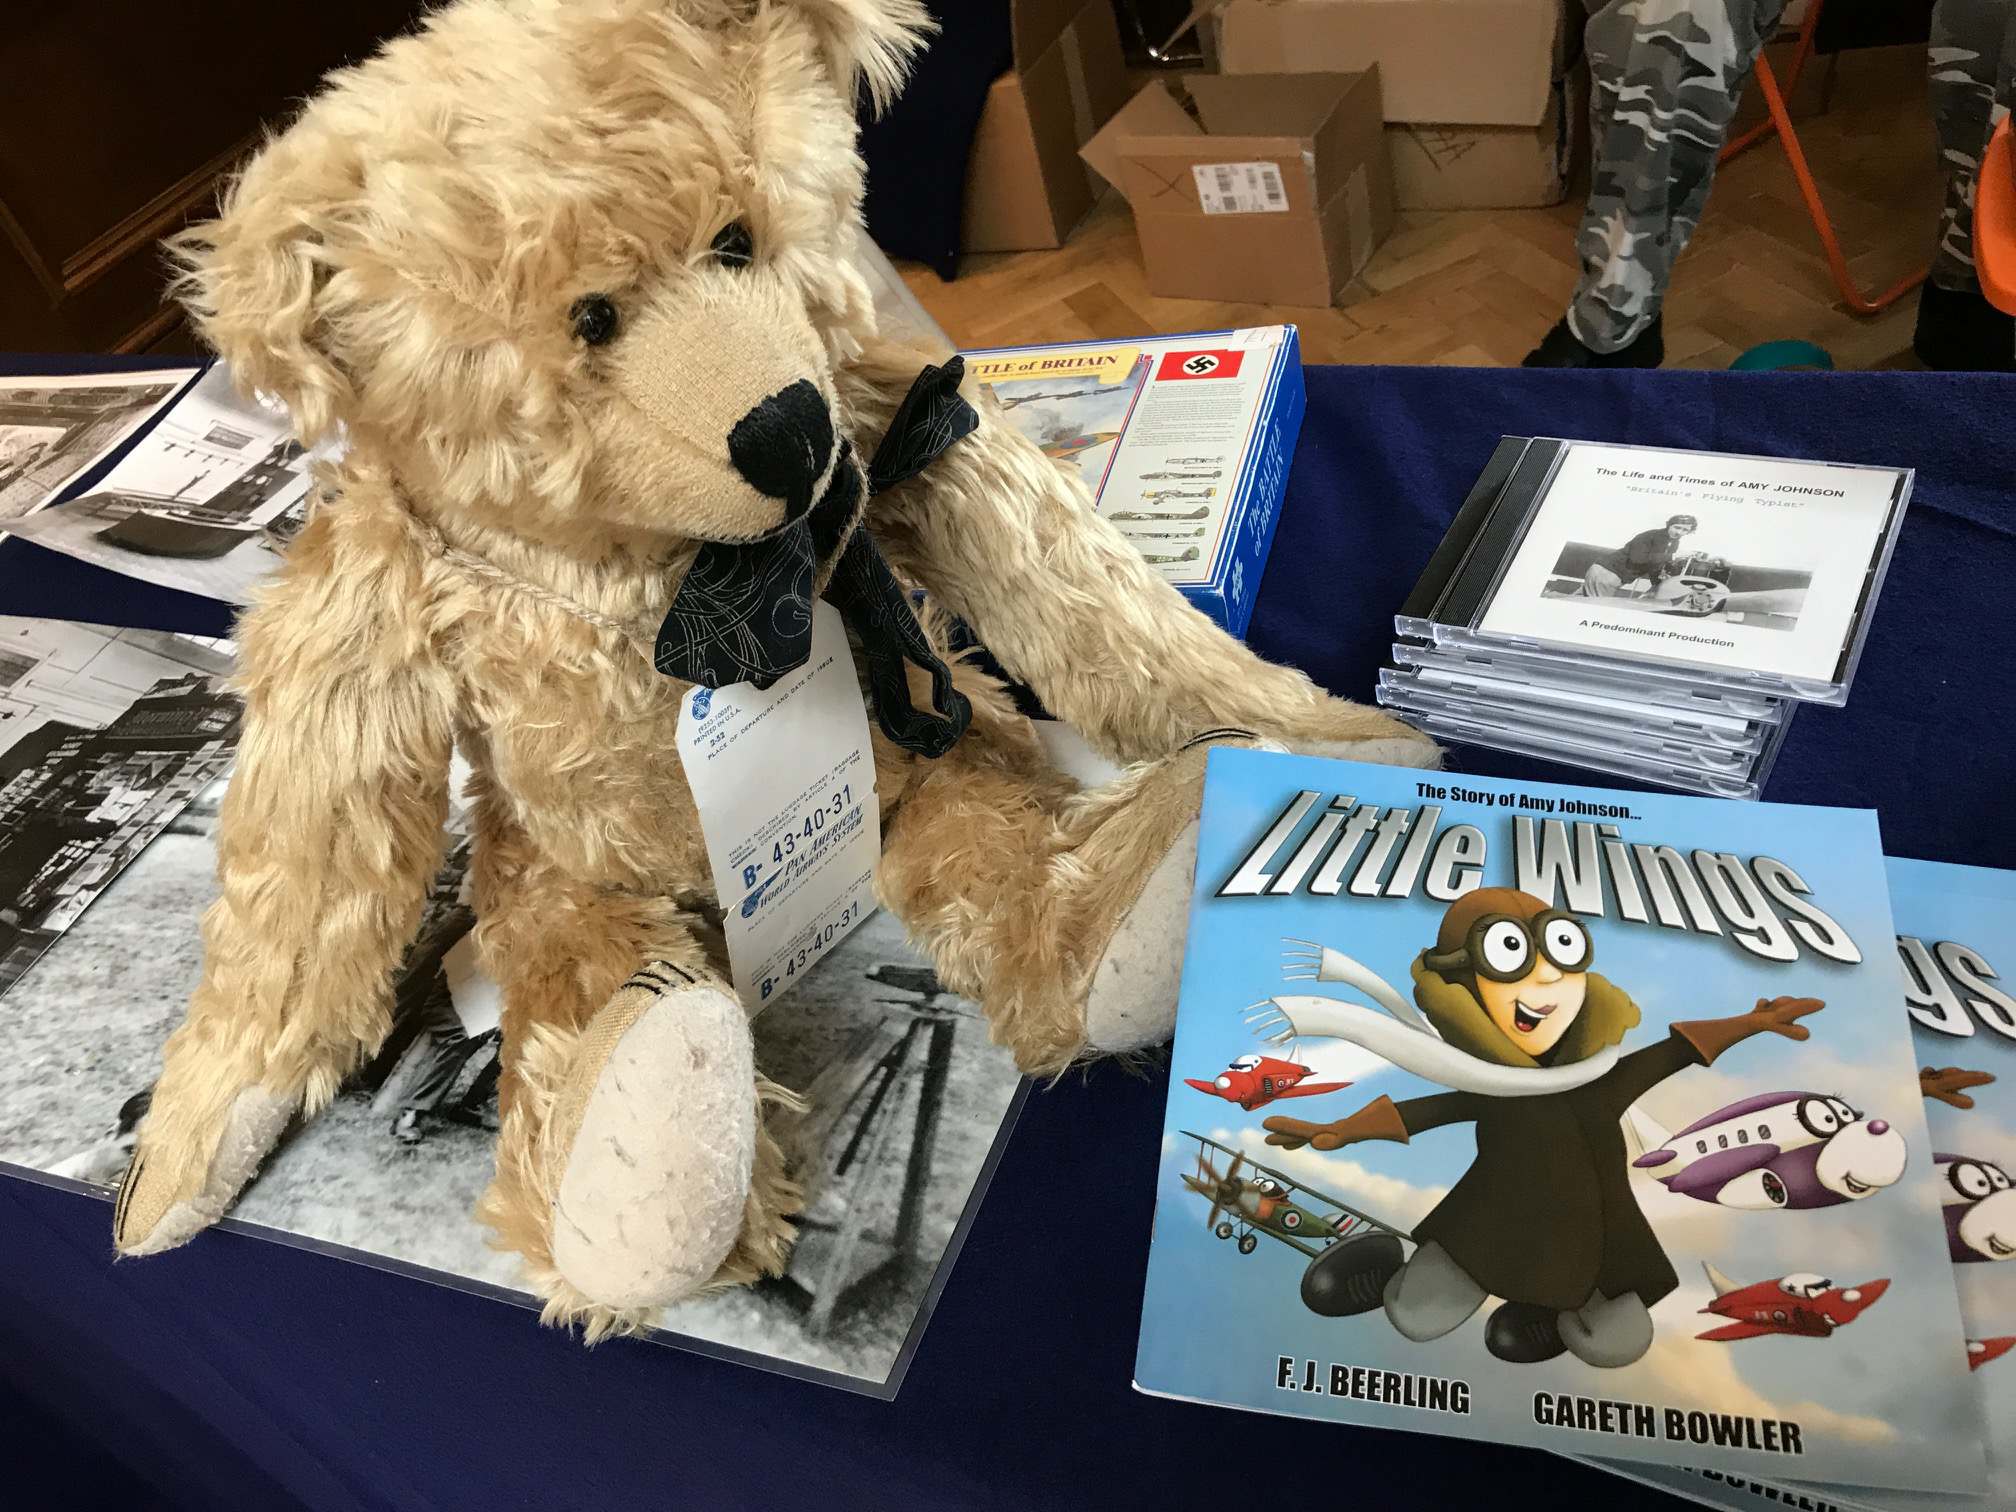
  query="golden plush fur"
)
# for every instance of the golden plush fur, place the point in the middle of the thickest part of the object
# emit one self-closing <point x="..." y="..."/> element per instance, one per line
<point x="514" y="512"/>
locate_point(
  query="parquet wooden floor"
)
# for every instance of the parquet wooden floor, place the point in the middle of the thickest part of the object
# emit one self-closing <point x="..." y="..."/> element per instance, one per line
<point x="1481" y="287"/>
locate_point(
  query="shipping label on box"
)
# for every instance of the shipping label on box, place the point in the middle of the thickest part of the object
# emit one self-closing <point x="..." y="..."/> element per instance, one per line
<point x="1184" y="441"/>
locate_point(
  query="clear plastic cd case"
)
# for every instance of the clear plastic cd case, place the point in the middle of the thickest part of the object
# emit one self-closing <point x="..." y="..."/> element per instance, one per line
<point x="1717" y="746"/>
<point x="1613" y="760"/>
<point x="1753" y="574"/>
<point x="1547" y="672"/>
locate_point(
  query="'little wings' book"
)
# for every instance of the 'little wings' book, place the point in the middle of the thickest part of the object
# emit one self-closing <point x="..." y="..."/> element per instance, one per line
<point x="1554" y="1116"/>
<point x="1955" y="925"/>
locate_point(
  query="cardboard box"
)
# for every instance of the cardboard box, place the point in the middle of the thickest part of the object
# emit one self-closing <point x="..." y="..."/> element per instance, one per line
<point x="1482" y="110"/>
<point x="1477" y="62"/>
<point x="1025" y="186"/>
<point x="1492" y="167"/>
<point x="1276" y="195"/>
<point x="1184" y="441"/>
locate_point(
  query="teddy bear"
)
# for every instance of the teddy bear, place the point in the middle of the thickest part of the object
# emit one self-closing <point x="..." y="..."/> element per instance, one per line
<point x="571" y="281"/>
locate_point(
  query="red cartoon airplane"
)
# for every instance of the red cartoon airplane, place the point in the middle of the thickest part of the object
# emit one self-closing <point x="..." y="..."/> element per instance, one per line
<point x="1253" y="1081"/>
<point x="1981" y="1351"/>
<point x="1804" y="1305"/>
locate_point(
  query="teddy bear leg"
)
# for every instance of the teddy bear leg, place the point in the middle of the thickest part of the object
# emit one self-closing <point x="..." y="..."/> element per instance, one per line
<point x="633" y="1166"/>
<point x="1062" y="912"/>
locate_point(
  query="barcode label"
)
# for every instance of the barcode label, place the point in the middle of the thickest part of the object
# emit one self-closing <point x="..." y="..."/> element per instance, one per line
<point x="1239" y="188"/>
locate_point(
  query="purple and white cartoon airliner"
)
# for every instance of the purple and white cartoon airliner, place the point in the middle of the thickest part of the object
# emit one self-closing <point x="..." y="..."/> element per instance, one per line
<point x="1775" y="1150"/>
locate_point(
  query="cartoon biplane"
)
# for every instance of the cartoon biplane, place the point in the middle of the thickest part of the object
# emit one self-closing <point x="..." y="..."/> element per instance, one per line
<point x="1245" y="1206"/>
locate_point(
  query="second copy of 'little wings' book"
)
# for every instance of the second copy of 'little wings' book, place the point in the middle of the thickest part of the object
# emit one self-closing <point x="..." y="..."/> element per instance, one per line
<point x="1555" y="1116"/>
<point x="1954" y="929"/>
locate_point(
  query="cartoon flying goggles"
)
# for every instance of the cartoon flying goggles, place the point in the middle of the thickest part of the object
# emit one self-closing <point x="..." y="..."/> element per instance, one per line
<point x="1527" y="1039"/>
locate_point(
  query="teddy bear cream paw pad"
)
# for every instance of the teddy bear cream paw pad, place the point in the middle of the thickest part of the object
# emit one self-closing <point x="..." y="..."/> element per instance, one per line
<point x="1132" y="1004"/>
<point x="163" y="1202"/>
<point x="654" y="1186"/>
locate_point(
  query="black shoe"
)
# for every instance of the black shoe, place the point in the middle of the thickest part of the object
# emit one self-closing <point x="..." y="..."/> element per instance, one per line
<point x="1560" y="349"/>
<point x="1524" y="1333"/>
<point x="1958" y="331"/>
<point x="406" y="1127"/>
<point x="1350" y="1277"/>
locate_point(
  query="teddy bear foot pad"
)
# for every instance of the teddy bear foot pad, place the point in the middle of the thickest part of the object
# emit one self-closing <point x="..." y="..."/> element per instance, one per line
<point x="658" y="1167"/>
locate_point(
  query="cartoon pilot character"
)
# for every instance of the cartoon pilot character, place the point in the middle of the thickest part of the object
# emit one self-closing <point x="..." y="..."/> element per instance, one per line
<point x="1526" y="1038"/>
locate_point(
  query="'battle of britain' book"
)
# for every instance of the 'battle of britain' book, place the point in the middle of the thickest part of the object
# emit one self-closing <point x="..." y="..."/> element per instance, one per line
<point x="1554" y="1116"/>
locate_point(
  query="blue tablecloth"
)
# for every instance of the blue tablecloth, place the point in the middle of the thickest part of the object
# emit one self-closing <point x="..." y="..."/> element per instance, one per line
<point x="244" y="1374"/>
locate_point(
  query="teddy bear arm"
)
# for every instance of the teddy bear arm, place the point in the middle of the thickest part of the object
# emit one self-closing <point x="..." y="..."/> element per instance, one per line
<point x="327" y="839"/>
<point x="1008" y="541"/>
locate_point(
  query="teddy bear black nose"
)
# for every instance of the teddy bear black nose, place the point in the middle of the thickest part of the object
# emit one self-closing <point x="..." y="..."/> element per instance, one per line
<point x="783" y="445"/>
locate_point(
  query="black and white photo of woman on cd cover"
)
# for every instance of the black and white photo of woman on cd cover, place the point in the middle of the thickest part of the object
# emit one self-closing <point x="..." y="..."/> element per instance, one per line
<point x="1757" y="565"/>
<point x="1666" y="569"/>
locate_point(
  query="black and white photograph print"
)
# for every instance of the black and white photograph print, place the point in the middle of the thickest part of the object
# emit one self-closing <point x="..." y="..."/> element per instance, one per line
<point x="205" y="502"/>
<point x="1666" y="569"/>
<point x="106" y="735"/>
<point x="53" y="428"/>
<point x="1759" y="567"/>
<point x="908" y="1105"/>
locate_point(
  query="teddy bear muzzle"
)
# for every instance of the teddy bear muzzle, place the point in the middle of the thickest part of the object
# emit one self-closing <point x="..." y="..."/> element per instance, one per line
<point x="722" y="423"/>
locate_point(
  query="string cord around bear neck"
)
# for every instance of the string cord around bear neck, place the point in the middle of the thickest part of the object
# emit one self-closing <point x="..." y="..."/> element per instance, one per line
<point x="482" y="570"/>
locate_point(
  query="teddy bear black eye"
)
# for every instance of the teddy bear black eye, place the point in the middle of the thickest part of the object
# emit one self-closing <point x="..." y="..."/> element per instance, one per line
<point x="594" y="317"/>
<point x="734" y="246"/>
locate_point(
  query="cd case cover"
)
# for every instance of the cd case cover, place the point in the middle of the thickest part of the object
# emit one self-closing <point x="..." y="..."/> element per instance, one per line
<point x="1553" y="1116"/>
<point x="1753" y="572"/>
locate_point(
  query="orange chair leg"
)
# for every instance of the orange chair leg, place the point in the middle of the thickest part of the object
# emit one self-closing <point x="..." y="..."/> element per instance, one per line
<point x="1800" y="54"/>
<point x="1851" y="293"/>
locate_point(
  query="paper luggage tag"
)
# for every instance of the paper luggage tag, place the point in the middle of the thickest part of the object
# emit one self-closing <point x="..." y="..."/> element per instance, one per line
<point x="479" y="1001"/>
<point x="784" y="780"/>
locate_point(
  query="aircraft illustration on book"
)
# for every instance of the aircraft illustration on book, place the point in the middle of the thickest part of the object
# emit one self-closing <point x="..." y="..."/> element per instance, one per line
<point x="1068" y="448"/>
<point x="1253" y="1081"/>
<point x="1981" y="1351"/>
<point x="1245" y="1207"/>
<point x="1803" y="1305"/>
<point x="1786" y="1150"/>
<point x="1978" y="1202"/>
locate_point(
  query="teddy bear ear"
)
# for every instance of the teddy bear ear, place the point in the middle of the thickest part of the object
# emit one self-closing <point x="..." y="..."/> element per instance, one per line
<point x="256" y="281"/>
<point x="871" y="41"/>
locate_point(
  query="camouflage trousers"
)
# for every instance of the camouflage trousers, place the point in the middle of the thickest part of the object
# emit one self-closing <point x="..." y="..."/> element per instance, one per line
<point x="1665" y="79"/>
<point x="1972" y="61"/>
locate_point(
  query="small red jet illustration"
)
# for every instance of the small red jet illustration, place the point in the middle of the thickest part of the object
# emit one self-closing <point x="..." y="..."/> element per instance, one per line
<point x="1804" y="1305"/>
<point x="1981" y="1351"/>
<point x="1253" y="1081"/>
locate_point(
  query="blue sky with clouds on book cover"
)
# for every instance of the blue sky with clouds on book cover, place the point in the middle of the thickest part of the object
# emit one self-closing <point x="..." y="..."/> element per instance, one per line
<point x="1781" y="1198"/>
<point x="1954" y="925"/>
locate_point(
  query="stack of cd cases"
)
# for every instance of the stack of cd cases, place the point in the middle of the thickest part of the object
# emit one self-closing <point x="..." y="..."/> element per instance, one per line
<point x="1649" y="613"/>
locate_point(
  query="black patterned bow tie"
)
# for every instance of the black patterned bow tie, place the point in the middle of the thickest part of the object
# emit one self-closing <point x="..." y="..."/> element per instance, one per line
<point x="744" y="612"/>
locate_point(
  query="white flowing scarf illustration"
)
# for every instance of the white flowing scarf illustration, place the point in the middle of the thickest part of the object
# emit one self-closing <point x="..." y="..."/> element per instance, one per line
<point x="1406" y="1038"/>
